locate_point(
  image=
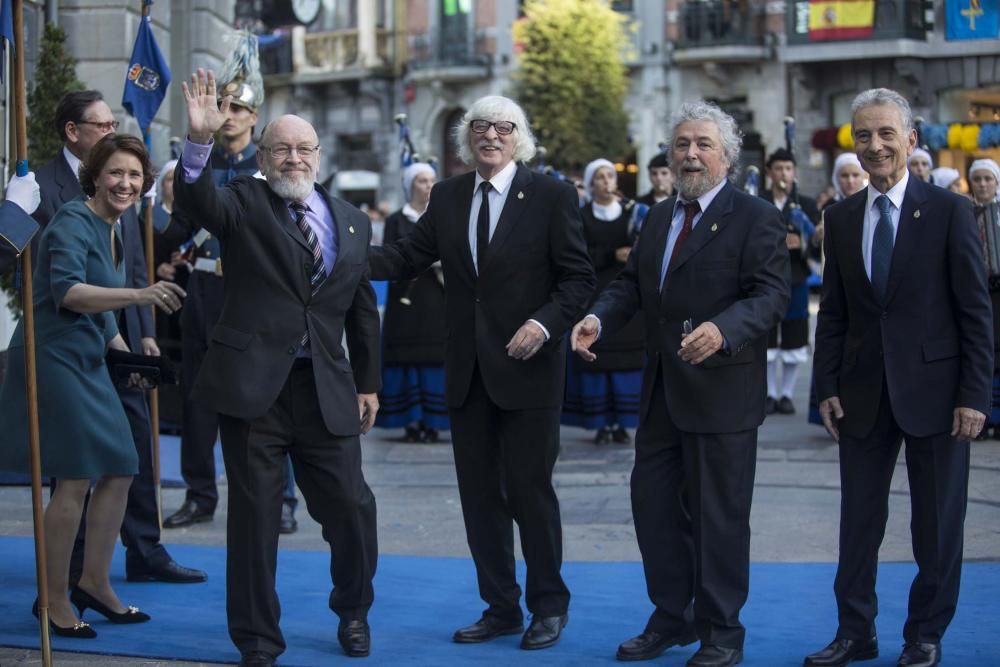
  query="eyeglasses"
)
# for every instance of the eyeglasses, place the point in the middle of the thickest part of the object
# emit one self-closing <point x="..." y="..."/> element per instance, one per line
<point x="108" y="126"/>
<point x="283" y="151"/>
<point x="503" y="127"/>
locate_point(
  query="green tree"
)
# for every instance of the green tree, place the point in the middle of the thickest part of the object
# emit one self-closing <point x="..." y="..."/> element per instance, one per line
<point x="55" y="76"/>
<point x="572" y="79"/>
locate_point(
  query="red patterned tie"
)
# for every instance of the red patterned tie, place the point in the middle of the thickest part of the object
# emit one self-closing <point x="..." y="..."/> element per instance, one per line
<point x="690" y="210"/>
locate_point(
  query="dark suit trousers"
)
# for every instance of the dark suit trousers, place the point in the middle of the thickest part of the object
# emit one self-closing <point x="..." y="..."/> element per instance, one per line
<point x="328" y="471"/>
<point x="200" y="424"/>
<point x="504" y="461"/>
<point x="938" y="471"/>
<point x="141" y="527"/>
<point x="691" y="496"/>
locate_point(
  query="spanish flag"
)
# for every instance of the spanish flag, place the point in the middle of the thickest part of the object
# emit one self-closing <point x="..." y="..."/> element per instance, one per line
<point x="841" y="19"/>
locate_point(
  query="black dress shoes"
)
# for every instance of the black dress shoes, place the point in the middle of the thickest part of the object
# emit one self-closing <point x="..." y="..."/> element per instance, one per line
<point x="650" y="644"/>
<point x="288" y="524"/>
<point x="543" y="631"/>
<point x="355" y="638"/>
<point x="79" y="630"/>
<point x="169" y="573"/>
<point x="710" y="655"/>
<point x="919" y="654"/>
<point x="486" y="629"/>
<point x="83" y="601"/>
<point x="842" y="652"/>
<point x="770" y="406"/>
<point x="257" y="659"/>
<point x="188" y="514"/>
<point x="785" y="406"/>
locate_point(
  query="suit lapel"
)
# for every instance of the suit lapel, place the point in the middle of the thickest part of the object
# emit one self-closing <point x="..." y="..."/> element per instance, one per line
<point x="662" y="229"/>
<point x="463" y="201"/>
<point x="711" y="223"/>
<point x="69" y="184"/>
<point x="908" y="233"/>
<point x="284" y="218"/>
<point x="518" y="196"/>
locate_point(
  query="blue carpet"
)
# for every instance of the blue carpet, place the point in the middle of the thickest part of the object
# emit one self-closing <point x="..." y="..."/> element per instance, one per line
<point x="420" y="601"/>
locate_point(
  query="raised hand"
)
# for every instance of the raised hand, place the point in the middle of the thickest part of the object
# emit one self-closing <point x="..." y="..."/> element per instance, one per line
<point x="205" y="113"/>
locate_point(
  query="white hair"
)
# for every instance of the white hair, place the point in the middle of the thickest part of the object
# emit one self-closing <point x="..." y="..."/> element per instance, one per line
<point x="494" y="108"/>
<point x="881" y="97"/>
<point x="729" y="132"/>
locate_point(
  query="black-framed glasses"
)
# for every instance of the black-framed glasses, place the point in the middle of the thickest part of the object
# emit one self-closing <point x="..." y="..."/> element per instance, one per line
<point x="503" y="127"/>
<point x="284" y="151"/>
<point x="108" y="126"/>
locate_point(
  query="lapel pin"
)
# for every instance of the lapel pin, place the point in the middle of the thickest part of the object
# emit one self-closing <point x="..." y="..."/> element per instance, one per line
<point x="916" y="214"/>
<point x="351" y="229"/>
<point x="715" y="228"/>
<point x="520" y="195"/>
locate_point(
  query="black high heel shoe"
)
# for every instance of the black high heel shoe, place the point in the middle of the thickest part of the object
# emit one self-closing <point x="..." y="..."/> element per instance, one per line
<point x="78" y="631"/>
<point x="84" y="600"/>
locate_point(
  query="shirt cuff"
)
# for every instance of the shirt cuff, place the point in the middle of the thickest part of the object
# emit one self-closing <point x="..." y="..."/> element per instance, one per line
<point x="598" y="324"/>
<point x="542" y="327"/>
<point x="194" y="158"/>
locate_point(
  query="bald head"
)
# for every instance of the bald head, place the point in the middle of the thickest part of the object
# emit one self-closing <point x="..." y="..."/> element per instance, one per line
<point x="289" y="157"/>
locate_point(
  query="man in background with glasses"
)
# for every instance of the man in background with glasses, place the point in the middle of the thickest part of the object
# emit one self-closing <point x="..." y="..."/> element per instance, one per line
<point x="516" y="276"/>
<point x="276" y="371"/>
<point x="83" y="118"/>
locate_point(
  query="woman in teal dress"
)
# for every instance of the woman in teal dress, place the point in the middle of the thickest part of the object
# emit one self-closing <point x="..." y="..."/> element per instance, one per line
<point x="82" y="426"/>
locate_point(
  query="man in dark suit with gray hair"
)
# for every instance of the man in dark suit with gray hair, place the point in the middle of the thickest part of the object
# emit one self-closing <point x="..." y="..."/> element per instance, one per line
<point x="709" y="274"/>
<point x="904" y="351"/>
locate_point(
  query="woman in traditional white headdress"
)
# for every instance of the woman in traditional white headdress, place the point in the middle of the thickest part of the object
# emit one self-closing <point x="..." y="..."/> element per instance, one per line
<point x="413" y="335"/>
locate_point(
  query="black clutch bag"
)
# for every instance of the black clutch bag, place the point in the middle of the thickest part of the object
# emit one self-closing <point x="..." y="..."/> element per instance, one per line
<point x="153" y="370"/>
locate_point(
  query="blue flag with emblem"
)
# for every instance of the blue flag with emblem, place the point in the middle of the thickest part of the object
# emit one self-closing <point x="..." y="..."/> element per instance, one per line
<point x="971" y="19"/>
<point x="147" y="78"/>
<point x="6" y="31"/>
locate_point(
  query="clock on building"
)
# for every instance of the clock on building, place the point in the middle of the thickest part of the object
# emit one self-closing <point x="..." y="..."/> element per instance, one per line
<point x="275" y="13"/>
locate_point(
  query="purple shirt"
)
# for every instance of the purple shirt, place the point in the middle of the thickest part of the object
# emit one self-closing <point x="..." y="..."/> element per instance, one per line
<point x="318" y="215"/>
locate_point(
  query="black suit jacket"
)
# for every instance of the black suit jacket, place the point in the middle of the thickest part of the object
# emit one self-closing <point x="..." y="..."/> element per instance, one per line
<point x="59" y="185"/>
<point x="930" y="339"/>
<point x="732" y="270"/>
<point x="268" y="303"/>
<point x="537" y="267"/>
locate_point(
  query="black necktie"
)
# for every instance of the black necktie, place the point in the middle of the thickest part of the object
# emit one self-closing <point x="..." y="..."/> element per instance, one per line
<point x="318" y="268"/>
<point x="483" y="226"/>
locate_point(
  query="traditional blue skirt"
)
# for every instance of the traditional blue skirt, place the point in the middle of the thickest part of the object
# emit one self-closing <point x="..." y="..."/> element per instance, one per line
<point x="994" y="419"/>
<point x="596" y="400"/>
<point x="413" y="394"/>
<point x="798" y="304"/>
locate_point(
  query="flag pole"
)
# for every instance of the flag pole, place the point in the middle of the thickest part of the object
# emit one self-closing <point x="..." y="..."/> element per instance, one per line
<point x="31" y="379"/>
<point x="154" y="393"/>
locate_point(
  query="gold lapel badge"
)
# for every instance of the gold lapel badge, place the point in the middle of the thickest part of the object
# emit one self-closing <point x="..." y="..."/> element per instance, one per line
<point x="715" y="228"/>
<point x="520" y="195"/>
<point x="916" y="214"/>
<point x="351" y="229"/>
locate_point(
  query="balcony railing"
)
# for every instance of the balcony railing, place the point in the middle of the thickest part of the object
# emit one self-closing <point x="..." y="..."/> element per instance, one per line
<point x="327" y="52"/>
<point x="711" y="23"/>
<point x="436" y="49"/>
<point x="894" y="19"/>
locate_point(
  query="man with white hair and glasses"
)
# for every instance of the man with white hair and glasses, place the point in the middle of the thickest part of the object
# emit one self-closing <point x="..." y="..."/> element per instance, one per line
<point x="516" y="276"/>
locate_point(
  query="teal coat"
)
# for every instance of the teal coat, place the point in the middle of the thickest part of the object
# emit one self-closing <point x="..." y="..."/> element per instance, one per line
<point x="83" y="429"/>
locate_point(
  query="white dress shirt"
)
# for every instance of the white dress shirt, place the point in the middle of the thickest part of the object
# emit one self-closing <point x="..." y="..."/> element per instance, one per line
<point x="74" y="162"/>
<point x="872" y="215"/>
<point x="498" y="197"/>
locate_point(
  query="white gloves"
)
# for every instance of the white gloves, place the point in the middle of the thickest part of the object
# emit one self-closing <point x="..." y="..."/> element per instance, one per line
<point x="24" y="191"/>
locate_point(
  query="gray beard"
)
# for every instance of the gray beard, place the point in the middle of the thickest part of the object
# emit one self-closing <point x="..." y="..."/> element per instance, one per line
<point x="287" y="188"/>
<point x="692" y="186"/>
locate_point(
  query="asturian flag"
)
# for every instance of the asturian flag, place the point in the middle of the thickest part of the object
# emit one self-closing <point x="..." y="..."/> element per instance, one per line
<point x="147" y="78"/>
<point x="971" y="19"/>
